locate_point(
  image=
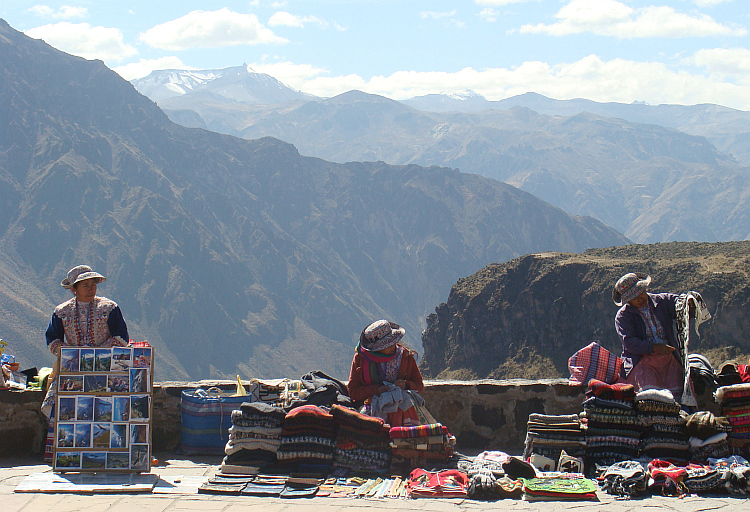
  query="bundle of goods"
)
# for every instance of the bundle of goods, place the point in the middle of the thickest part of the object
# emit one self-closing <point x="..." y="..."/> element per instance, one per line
<point x="417" y="444"/>
<point x="626" y="478"/>
<point x="735" y="406"/>
<point x="735" y="472"/>
<point x="561" y="488"/>
<point x="488" y="479"/>
<point x="448" y="483"/>
<point x="701" y="479"/>
<point x="612" y="427"/>
<point x="382" y="488"/>
<point x="708" y="436"/>
<point x="254" y="437"/>
<point x="667" y="479"/>
<point x="548" y="436"/>
<point x="308" y="439"/>
<point x="664" y="420"/>
<point x="362" y="442"/>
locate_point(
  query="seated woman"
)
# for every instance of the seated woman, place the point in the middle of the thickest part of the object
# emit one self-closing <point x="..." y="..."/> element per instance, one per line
<point x="381" y="370"/>
<point x="644" y="325"/>
<point x="83" y="321"/>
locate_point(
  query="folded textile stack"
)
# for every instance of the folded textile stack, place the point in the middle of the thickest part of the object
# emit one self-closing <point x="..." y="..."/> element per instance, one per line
<point x="735" y="405"/>
<point x="703" y="479"/>
<point x="612" y="427"/>
<point x="362" y="442"/>
<point x="549" y="435"/>
<point x="422" y="442"/>
<point x="664" y="436"/>
<point x="449" y="483"/>
<point x="708" y="436"/>
<point x="625" y="478"/>
<point x="308" y="439"/>
<point x="558" y="489"/>
<point x="735" y="471"/>
<point x="254" y="437"/>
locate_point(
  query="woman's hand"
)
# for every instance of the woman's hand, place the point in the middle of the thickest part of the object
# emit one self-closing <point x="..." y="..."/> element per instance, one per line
<point x="400" y="383"/>
<point x="383" y="389"/>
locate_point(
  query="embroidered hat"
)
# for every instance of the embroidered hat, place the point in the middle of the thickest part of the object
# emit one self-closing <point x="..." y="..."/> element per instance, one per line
<point x="629" y="287"/>
<point x="380" y="335"/>
<point x="81" y="273"/>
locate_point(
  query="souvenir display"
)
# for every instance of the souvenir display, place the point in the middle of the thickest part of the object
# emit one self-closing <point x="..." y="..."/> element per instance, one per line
<point x="104" y="410"/>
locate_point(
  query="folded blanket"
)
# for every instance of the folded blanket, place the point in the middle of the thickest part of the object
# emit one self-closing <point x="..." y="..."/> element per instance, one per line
<point x="431" y="429"/>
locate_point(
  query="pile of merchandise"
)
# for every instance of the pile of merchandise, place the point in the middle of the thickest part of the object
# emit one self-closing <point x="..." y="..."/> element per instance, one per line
<point x="664" y="436"/>
<point x="415" y="446"/>
<point x="254" y="438"/>
<point x="362" y="442"/>
<point x="612" y="426"/>
<point x="448" y="483"/>
<point x="548" y="437"/>
<point x="735" y="406"/>
<point x="308" y="440"/>
<point x="708" y="436"/>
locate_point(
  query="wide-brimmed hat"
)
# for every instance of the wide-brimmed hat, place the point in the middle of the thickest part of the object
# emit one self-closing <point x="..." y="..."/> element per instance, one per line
<point x="629" y="287"/>
<point x="380" y="335"/>
<point x="81" y="273"/>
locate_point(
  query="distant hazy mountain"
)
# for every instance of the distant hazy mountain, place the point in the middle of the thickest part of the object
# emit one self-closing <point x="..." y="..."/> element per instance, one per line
<point x="230" y="256"/>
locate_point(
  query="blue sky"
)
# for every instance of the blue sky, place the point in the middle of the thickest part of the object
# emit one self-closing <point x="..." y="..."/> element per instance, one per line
<point x="658" y="51"/>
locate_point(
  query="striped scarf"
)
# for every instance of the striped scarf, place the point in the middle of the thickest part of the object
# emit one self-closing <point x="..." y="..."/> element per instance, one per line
<point x="376" y="364"/>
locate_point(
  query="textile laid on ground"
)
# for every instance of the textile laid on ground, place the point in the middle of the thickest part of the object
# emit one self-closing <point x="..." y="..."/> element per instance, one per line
<point x="449" y="483"/>
<point x="664" y="436"/>
<point x="594" y="362"/>
<point x="735" y="471"/>
<point x="549" y="435"/>
<point x="625" y="478"/>
<point x="362" y="442"/>
<point x="417" y="444"/>
<point x="254" y="437"/>
<point x="735" y="406"/>
<point x="308" y="439"/>
<point x="558" y="489"/>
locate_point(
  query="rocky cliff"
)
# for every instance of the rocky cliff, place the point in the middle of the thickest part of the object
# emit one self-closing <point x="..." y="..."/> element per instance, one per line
<point x="526" y="317"/>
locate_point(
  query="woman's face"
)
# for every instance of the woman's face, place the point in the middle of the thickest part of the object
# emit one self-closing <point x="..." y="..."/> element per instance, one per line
<point x="390" y="350"/>
<point x="85" y="290"/>
<point x="640" y="301"/>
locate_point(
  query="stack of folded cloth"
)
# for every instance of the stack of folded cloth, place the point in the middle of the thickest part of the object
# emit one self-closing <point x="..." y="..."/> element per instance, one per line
<point x="735" y="472"/>
<point x="665" y="437"/>
<point x="423" y="442"/>
<point x="612" y="427"/>
<point x="708" y="436"/>
<point x="703" y="479"/>
<point x="549" y="435"/>
<point x="308" y="439"/>
<point x="626" y="478"/>
<point x="362" y="442"/>
<point x="254" y="437"/>
<point x="735" y="405"/>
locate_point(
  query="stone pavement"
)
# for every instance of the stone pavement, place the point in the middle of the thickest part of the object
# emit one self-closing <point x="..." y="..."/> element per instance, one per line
<point x="14" y="471"/>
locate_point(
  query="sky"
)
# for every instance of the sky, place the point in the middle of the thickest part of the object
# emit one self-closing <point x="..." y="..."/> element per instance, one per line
<point x="656" y="51"/>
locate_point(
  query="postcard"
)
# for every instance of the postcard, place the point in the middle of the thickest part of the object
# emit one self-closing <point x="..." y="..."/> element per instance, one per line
<point x="95" y="383"/>
<point x="140" y="407"/>
<point x="102" y="359"/>
<point x="139" y="380"/>
<point x="138" y="434"/>
<point x="83" y="435"/>
<point x="69" y="359"/>
<point x="103" y="408"/>
<point x="142" y="357"/>
<point x="122" y="358"/>
<point x="93" y="460"/>
<point x="118" y="383"/>
<point x="71" y="383"/>
<point x="119" y="436"/>
<point x="118" y="460"/>
<point x="67" y="408"/>
<point x="100" y="433"/>
<point x="139" y="457"/>
<point x="68" y="460"/>
<point x="65" y="435"/>
<point x="121" y="408"/>
<point x="87" y="360"/>
<point x="85" y="408"/>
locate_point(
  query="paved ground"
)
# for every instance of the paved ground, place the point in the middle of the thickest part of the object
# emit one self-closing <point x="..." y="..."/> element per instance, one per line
<point x="14" y="471"/>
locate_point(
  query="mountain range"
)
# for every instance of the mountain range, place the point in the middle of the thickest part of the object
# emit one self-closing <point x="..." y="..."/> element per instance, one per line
<point x="230" y="256"/>
<point x="655" y="173"/>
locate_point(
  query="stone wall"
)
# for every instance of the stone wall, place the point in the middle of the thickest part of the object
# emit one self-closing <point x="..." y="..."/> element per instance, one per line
<point x="484" y="414"/>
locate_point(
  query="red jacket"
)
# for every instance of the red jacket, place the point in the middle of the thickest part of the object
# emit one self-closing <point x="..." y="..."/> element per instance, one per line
<point x="409" y="372"/>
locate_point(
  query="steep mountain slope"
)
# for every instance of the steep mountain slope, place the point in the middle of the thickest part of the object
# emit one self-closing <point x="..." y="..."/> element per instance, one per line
<point x="230" y="256"/>
<point x="526" y="317"/>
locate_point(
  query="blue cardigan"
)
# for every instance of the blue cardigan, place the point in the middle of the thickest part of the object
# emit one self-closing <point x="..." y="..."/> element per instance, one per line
<point x="632" y="329"/>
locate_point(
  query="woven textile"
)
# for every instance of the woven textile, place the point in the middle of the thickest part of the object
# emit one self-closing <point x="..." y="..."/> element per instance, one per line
<point x="432" y="429"/>
<point x="617" y="391"/>
<point x="594" y="362"/>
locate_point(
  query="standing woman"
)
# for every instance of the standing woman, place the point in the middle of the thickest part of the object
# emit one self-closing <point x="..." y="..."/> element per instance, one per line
<point x="83" y="321"/>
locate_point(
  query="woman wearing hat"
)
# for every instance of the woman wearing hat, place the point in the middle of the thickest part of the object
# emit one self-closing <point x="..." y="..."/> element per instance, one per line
<point x="644" y="323"/>
<point x="382" y="363"/>
<point x="83" y="321"/>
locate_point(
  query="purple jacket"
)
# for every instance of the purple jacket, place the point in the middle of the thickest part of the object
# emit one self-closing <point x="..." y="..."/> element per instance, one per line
<point x="632" y="329"/>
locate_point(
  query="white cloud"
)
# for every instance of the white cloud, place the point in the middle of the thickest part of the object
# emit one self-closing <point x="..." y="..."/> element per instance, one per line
<point x="437" y="15"/>
<point x="710" y="3"/>
<point x="591" y="77"/>
<point x="82" y="39"/>
<point x="65" y="12"/>
<point x="285" y="19"/>
<point x="209" y="29"/>
<point x="725" y="62"/>
<point x="293" y="75"/>
<point x="613" y="18"/>
<point x="500" y="2"/>
<point x="489" y="14"/>
<point x="143" y="67"/>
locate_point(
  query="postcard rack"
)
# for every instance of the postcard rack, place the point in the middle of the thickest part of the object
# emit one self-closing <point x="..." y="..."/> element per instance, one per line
<point x="102" y="416"/>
